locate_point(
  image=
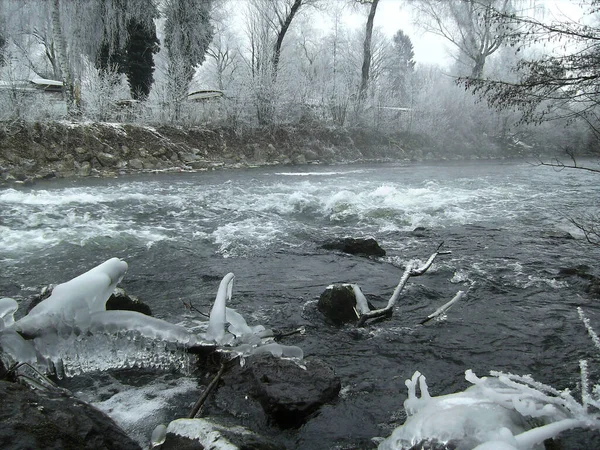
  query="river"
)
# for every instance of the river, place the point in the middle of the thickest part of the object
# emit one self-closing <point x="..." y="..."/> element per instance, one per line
<point x="506" y="224"/>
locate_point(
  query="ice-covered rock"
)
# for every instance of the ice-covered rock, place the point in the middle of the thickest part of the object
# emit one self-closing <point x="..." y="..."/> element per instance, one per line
<point x="207" y="434"/>
<point x="72" y="332"/>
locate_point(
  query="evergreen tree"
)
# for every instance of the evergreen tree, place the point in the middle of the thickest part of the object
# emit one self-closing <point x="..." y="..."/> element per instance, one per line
<point x="139" y="52"/>
<point x="403" y="63"/>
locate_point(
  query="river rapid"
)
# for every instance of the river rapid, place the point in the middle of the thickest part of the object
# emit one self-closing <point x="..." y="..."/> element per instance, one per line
<point x="506" y="224"/>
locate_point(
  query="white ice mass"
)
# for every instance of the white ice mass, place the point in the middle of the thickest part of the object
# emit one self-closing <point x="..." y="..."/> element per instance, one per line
<point x="497" y="412"/>
<point x="71" y="332"/>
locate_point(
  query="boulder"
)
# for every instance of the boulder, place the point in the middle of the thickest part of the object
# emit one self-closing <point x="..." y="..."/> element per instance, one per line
<point x="120" y="300"/>
<point x="55" y="420"/>
<point x="284" y="392"/>
<point x="136" y="164"/>
<point x="106" y="159"/>
<point x="201" y="434"/>
<point x="338" y="304"/>
<point x="356" y="246"/>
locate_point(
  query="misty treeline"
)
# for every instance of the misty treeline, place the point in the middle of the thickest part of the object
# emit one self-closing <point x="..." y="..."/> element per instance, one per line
<point x="297" y="63"/>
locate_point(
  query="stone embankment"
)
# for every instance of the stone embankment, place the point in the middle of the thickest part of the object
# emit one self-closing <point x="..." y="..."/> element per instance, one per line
<point x="30" y="151"/>
<point x="64" y="149"/>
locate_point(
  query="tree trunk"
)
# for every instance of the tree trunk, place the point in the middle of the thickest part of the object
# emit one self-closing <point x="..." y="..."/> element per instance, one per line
<point x="284" y="27"/>
<point x="63" y="61"/>
<point x="367" y="51"/>
<point x="477" y="71"/>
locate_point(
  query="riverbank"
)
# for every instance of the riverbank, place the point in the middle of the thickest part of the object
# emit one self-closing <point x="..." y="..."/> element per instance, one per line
<point x="30" y="151"/>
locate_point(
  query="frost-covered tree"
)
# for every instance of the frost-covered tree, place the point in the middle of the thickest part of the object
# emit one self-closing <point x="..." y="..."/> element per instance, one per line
<point x="469" y="25"/>
<point x="402" y="62"/>
<point x="552" y="85"/>
<point x="63" y="60"/>
<point x="224" y="51"/>
<point x="267" y="24"/>
<point x="128" y="41"/>
<point x="187" y="35"/>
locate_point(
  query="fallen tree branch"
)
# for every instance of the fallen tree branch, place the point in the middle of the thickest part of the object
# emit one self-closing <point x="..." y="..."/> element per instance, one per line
<point x="190" y="307"/>
<point x="445" y="307"/>
<point x="207" y="392"/>
<point x="410" y="271"/>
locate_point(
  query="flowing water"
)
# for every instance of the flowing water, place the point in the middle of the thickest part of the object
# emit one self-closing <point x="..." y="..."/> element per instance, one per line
<point x="506" y="225"/>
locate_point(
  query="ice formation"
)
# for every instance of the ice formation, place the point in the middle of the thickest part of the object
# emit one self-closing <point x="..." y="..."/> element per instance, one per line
<point x="71" y="332"/>
<point x="494" y="413"/>
<point x="72" y="303"/>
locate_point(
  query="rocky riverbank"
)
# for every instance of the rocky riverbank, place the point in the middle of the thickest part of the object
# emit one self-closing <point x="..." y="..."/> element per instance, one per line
<point x="30" y="151"/>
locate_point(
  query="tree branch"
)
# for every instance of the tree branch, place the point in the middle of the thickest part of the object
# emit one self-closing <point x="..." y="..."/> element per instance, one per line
<point x="207" y="392"/>
<point x="410" y="271"/>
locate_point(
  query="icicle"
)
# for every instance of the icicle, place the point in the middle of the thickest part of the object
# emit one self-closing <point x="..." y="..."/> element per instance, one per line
<point x="217" y="320"/>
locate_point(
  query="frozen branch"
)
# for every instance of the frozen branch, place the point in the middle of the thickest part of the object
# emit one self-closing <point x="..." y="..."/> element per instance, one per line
<point x="445" y="307"/>
<point x="410" y="271"/>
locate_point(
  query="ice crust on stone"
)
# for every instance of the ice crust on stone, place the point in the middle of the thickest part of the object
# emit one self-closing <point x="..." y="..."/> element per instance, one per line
<point x="208" y="434"/>
<point x="71" y="332"/>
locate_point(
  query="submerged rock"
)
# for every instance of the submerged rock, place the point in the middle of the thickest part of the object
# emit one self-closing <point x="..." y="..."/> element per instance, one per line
<point x="356" y="246"/>
<point x="55" y="420"/>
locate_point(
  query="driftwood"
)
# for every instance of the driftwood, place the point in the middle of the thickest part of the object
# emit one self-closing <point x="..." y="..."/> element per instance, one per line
<point x="207" y="392"/>
<point x="445" y="307"/>
<point x="410" y="271"/>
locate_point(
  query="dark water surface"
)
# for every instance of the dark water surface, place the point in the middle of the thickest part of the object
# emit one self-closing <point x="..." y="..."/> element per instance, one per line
<point x="505" y="224"/>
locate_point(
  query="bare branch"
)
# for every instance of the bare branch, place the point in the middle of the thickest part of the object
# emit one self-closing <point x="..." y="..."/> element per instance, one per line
<point x="410" y="271"/>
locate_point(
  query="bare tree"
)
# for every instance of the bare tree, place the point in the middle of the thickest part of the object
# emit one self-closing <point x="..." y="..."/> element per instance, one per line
<point x="223" y="50"/>
<point x="469" y="25"/>
<point x="63" y="60"/>
<point x="267" y="24"/>
<point x="366" y="64"/>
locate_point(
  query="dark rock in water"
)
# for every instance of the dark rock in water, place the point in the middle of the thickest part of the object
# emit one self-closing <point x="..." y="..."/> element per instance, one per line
<point x="52" y="420"/>
<point x="552" y="234"/>
<point x="421" y="232"/>
<point x="338" y="304"/>
<point x="591" y="283"/>
<point x="356" y="246"/>
<point x="120" y="300"/>
<point x="287" y="393"/>
<point x="200" y="434"/>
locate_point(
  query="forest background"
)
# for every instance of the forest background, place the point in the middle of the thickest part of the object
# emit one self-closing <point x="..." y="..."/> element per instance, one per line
<point x="519" y="78"/>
